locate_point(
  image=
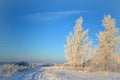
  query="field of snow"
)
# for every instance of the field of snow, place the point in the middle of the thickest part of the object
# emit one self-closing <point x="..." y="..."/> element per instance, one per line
<point x="53" y="73"/>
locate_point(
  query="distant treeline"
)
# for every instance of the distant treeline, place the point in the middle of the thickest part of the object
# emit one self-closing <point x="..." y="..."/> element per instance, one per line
<point x="22" y="63"/>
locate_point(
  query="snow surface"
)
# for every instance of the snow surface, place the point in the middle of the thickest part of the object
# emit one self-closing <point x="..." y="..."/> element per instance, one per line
<point x="48" y="73"/>
<point x="33" y="74"/>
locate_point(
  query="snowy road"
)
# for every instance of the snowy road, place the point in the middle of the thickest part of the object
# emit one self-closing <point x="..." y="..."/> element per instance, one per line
<point x="34" y="74"/>
<point x="47" y="73"/>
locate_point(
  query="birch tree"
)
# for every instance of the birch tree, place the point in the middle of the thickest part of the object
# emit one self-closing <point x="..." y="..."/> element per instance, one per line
<point x="77" y="45"/>
<point x="109" y="42"/>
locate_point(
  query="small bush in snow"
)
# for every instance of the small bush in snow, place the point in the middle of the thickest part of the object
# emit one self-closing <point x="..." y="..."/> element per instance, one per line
<point x="11" y="68"/>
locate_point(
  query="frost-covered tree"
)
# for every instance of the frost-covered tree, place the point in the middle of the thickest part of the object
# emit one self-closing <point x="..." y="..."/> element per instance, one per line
<point x="77" y="45"/>
<point x="109" y="42"/>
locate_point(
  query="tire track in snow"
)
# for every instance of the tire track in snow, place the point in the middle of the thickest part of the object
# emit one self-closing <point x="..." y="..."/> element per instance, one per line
<point x="38" y="75"/>
<point x="34" y="74"/>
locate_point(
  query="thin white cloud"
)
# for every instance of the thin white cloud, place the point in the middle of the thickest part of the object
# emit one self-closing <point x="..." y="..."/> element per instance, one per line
<point x="51" y="15"/>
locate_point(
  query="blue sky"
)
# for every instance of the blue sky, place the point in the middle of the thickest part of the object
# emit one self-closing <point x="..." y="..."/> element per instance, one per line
<point x="36" y="30"/>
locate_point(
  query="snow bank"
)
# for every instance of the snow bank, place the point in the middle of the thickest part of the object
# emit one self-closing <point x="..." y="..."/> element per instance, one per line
<point x="58" y="73"/>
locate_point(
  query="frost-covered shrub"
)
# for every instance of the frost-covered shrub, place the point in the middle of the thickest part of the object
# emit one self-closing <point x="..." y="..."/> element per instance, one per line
<point x="11" y="68"/>
<point x="8" y="69"/>
<point x="22" y="68"/>
<point x="33" y="65"/>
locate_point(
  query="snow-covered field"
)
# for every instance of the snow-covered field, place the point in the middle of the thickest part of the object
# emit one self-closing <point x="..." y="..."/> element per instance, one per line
<point x="53" y="73"/>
